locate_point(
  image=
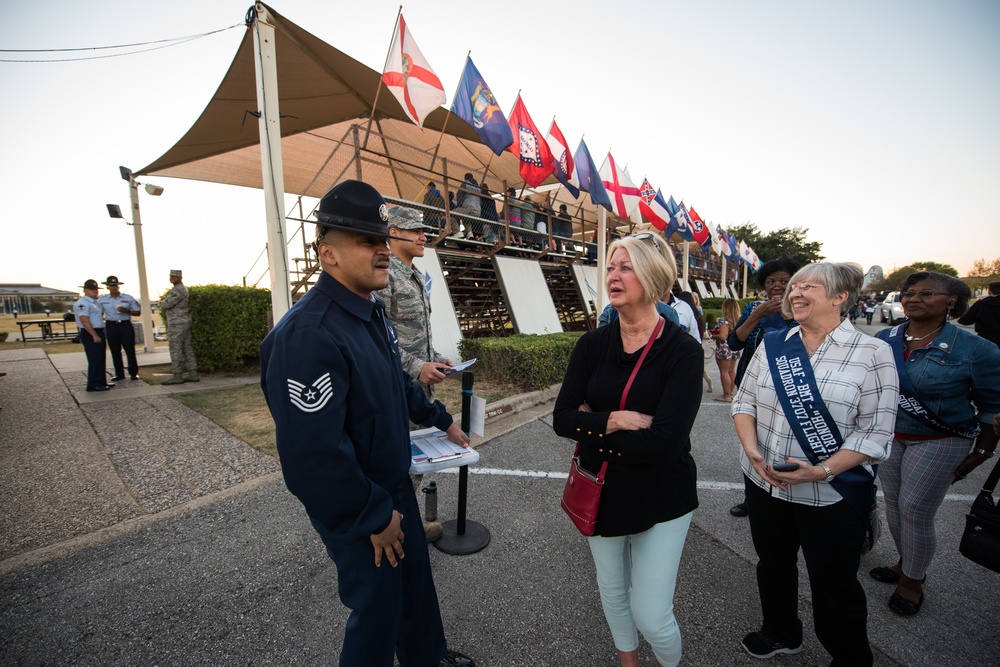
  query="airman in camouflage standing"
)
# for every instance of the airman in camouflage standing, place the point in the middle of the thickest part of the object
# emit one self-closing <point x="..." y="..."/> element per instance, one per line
<point x="175" y="309"/>
<point x="408" y="306"/>
<point x="407" y="302"/>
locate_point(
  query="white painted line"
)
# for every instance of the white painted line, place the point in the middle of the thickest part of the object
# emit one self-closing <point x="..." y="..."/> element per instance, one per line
<point x="704" y="485"/>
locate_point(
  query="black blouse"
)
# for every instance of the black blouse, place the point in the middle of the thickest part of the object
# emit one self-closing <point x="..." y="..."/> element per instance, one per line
<point x="651" y="475"/>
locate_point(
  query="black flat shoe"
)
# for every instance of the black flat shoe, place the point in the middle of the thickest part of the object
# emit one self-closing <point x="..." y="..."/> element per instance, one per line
<point x="739" y="510"/>
<point x="904" y="607"/>
<point x="884" y="575"/>
<point x="116" y="378"/>
<point x="456" y="659"/>
<point x="104" y="388"/>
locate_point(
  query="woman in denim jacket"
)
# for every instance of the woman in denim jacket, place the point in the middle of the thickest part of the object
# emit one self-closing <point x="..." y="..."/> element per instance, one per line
<point x="941" y="435"/>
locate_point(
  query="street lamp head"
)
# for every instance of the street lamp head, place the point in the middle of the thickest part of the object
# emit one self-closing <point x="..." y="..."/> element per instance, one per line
<point x="114" y="211"/>
<point x="126" y="173"/>
<point x="155" y="190"/>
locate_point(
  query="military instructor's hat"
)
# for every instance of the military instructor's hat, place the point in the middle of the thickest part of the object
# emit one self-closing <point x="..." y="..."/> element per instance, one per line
<point x="90" y="284"/>
<point x="355" y="207"/>
<point x="112" y="281"/>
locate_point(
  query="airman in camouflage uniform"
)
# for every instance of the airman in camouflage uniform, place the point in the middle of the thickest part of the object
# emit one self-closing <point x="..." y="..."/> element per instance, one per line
<point x="407" y="302"/>
<point x="408" y="306"/>
<point x="175" y="309"/>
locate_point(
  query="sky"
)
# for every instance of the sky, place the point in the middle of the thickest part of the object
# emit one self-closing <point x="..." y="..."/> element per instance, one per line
<point x="872" y="123"/>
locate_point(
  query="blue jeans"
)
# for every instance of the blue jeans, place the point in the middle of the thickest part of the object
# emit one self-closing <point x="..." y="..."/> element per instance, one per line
<point x="636" y="575"/>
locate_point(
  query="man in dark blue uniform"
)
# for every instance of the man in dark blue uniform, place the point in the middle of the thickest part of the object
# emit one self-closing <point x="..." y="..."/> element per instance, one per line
<point x="342" y="404"/>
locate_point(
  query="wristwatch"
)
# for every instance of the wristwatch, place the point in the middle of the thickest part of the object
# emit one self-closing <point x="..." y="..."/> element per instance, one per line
<point x="985" y="452"/>
<point x="829" y="473"/>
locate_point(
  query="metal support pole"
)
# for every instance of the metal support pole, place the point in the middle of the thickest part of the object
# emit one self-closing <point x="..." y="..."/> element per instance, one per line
<point x="149" y="345"/>
<point x="722" y="277"/>
<point x="687" y="263"/>
<point x="269" y="125"/>
<point x="460" y="536"/>
<point x="602" y="249"/>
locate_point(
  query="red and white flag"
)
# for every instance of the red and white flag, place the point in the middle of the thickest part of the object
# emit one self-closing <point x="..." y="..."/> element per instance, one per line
<point x="530" y="146"/>
<point x="410" y="78"/>
<point x="623" y="192"/>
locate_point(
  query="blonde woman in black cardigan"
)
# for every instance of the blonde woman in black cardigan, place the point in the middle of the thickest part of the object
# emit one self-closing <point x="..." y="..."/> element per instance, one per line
<point x="650" y="487"/>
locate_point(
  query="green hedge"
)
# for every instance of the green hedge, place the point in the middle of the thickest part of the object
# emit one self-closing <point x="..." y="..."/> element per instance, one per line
<point x="227" y="325"/>
<point x="527" y="360"/>
<point x="715" y="303"/>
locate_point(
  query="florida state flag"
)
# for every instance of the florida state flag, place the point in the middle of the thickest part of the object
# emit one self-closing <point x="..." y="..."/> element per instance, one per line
<point x="410" y="78"/>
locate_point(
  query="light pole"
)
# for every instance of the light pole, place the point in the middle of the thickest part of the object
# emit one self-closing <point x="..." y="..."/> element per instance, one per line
<point x="140" y="256"/>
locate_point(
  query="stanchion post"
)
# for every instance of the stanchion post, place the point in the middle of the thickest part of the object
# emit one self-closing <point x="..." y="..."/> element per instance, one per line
<point x="460" y="536"/>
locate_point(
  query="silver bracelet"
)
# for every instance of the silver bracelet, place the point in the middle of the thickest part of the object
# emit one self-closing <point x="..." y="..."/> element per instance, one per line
<point x="829" y="473"/>
<point x="987" y="454"/>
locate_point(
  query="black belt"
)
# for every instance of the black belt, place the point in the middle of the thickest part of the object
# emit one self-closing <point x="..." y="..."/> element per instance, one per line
<point x="119" y="322"/>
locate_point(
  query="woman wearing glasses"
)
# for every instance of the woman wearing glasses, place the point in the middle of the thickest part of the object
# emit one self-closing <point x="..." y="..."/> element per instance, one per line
<point x="949" y="395"/>
<point x="650" y="492"/>
<point x="757" y="319"/>
<point x="816" y="407"/>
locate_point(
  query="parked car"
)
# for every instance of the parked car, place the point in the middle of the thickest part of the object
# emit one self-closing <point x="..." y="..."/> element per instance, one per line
<point x="891" y="309"/>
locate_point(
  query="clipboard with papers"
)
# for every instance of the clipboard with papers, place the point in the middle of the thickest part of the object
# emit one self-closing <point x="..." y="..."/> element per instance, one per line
<point x="431" y="451"/>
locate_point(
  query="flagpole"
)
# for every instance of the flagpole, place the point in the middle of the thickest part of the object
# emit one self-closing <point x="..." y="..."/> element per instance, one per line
<point x="468" y="57"/>
<point x="378" y="90"/>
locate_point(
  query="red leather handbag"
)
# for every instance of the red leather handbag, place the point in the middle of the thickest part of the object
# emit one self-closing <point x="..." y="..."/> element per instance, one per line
<point x="582" y="494"/>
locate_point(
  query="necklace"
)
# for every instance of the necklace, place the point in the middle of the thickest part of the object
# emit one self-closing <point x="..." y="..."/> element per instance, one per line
<point x="909" y="338"/>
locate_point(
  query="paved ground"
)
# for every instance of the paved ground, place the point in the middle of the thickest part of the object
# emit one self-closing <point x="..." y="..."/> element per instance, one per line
<point x="163" y="540"/>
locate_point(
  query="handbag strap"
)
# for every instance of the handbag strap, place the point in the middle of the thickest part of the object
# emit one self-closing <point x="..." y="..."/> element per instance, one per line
<point x="638" y="364"/>
<point x="991" y="481"/>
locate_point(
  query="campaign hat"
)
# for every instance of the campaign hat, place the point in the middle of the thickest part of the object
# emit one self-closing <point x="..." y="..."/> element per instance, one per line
<point x="90" y="284"/>
<point x="112" y="281"/>
<point x="354" y="206"/>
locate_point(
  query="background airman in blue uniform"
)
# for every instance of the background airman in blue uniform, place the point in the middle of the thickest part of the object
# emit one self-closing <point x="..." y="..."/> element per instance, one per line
<point x="119" y="308"/>
<point x="341" y="402"/>
<point x="90" y="323"/>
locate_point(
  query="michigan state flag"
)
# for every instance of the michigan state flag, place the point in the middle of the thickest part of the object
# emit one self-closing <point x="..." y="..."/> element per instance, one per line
<point x="474" y="103"/>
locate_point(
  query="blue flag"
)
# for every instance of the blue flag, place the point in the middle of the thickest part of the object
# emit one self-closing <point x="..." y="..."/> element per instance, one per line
<point x="474" y="103"/>
<point x="678" y="220"/>
<point x="589" y="177"/>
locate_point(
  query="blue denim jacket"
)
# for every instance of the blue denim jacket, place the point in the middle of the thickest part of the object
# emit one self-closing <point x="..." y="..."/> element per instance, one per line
<point x="957" y="377"/>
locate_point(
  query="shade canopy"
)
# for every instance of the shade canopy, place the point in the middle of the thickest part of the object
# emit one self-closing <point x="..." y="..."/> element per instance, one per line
<point x="325" y="100"/>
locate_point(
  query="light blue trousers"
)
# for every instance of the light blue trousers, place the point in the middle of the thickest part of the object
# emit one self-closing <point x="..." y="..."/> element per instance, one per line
<point x="636" y="575"/>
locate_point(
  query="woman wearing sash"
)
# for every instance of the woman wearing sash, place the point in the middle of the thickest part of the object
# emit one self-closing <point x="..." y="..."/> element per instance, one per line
<point x="757" y="319"/>
<point x="650" y="491"/>
<point x="949" y="381"/>
<point x="822" y="396"/>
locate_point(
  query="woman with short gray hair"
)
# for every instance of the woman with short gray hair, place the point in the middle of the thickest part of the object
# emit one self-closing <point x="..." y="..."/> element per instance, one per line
<point x="815" y="409"/>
